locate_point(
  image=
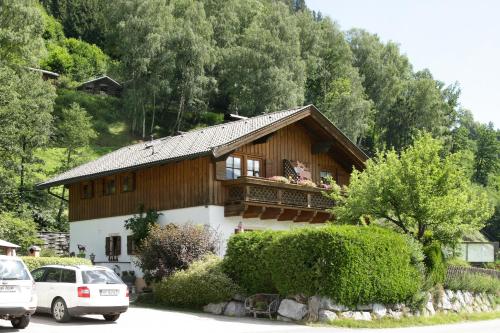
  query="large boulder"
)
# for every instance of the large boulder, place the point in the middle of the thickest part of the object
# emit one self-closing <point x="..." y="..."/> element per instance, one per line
<point x="235" y="309"/>
<point x="292" y="309"/>
<point x="379" y="310"/>
<point x="429" y="307"/>
<point x="362" y="315"/>
<point x="329" y="304"/>
<point x="347" y="314"/>
<point x="215" y="308"/>
<point x="327" y="316"/>
<point x="444" y="302"/>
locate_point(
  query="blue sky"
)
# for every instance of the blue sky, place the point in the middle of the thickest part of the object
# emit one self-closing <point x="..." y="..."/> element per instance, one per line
<point x="459" y="41"/>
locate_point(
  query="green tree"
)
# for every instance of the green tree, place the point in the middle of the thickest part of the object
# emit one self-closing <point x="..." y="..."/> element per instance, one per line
<point x="263" y="71"/>
<point x="18" y="230"/>
<point x="419" y="192"/>
<point x="25" y="122"/>
<point x="141" y="224"/>
<point x="487" y="154"/>
<point x="21" y="30"/>
<point x="75" y="132"/>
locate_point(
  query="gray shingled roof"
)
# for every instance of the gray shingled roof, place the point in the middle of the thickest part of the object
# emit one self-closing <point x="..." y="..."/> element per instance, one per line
<point x="194" y="143"/>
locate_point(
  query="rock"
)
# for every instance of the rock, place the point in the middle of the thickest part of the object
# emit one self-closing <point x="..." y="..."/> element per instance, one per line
<point x="362" y="315"/>
<point x="398" y="307"/>
<point x="239" y="298"/>
<point x="300" y="298"/>
<point x="417" y="313"/>
<point x="468" y="298"/>
<point x="329" y="304"/>
<point x="327" y="316"/>
<point x="460" y="298"/>
<point x="347" y="314"/>
<point x="450" y="294"/>
<point x="379" y="310"/>
<point x="235" y="309"/>
<point x="445" y="303"/>
<point x="430" y="308"/>
<point x="364" y="307"/>
<point x="215" y="308"/>
<point x="285" y="319"/>
<point x="292" y="309"/>
<point x="313" y="305"/>
<point x="395" y="314"/>
<point x="456" y="306"/>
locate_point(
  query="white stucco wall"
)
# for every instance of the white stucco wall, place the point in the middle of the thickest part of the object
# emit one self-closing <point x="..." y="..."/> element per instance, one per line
<point x="92" y="233"/>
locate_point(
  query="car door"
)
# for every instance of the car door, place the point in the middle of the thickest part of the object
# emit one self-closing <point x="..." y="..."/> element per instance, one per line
<point x="67" y="287"/>
<point x="47" y="288"/>
<point x="40" y="288"/>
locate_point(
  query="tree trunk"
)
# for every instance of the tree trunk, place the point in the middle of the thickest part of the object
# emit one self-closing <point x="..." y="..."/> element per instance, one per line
<point x="61" y="203"/>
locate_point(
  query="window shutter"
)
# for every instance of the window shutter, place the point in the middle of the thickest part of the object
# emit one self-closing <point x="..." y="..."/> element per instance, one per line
<point x="220" y="170"/>
<point x="269" y="168"/>
<point x="130" y="244"/>
<point x="108" y="247"/>
<point x="118" y="245"/>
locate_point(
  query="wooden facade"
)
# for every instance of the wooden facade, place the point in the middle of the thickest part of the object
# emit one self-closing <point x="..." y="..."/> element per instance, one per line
<point x="198" y="181"/>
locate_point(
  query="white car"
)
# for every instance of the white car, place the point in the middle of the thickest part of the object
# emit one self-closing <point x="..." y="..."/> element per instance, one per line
<point x="17" y="292"/>
<point x="67" y="291"/>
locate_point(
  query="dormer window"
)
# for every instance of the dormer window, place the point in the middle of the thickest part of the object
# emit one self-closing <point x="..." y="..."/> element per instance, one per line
<point x="109" y="186"/>
<point x="233" y="167"/>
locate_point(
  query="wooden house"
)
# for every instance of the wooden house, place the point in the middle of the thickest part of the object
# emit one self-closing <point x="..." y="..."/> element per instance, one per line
<point x="102" y="85"/>
<point x="250" y="174"/>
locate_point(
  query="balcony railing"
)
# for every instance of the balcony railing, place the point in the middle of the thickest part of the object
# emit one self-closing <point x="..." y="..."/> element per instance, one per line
<point x="254" y="191"/>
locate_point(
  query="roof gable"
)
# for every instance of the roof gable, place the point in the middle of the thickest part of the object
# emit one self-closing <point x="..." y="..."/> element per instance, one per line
<point x="216" y="141"/>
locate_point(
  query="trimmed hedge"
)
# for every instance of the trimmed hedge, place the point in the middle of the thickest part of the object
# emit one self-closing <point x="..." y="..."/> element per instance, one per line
<point x="247" y="261"/>
<point x="202" y="283"/>
<point x="350" y="264"/>
<point x="37" y="262"/>
<point x="434" y="263"/>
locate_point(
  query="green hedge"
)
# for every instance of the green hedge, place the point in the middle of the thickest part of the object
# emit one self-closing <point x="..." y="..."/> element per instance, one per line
<point x="434" y="263"/>
<point x="36" y="262"/>
<point x="351" y="264"/>
<point x="202" y="283"/>
<point x="247" y="261"/>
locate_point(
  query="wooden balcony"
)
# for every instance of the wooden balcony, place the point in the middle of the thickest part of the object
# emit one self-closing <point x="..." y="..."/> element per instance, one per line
<point x="254" y="197"/>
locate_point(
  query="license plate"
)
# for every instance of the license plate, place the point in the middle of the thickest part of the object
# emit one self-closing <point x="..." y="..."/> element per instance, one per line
<point x="109" y="292"/>
<point x="7" y="289"/>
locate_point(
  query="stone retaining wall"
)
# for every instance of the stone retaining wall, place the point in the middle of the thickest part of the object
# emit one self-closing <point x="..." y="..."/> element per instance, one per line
<point x="323" y="309"/>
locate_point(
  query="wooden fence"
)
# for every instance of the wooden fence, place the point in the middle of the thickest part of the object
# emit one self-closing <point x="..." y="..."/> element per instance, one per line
<point x="454" y="271"/>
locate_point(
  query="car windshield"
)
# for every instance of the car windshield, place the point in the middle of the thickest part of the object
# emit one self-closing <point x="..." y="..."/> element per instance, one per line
<point x="13" y="270"/>
<point x="100" y="276"/>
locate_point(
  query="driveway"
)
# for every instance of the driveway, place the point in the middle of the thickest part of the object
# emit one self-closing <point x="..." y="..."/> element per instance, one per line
<point x="143" y="320"/>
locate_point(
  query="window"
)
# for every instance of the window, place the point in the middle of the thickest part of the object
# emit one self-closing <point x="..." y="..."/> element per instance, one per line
<point x="87" y="190"/>
<point x="100" y="276"/>
<point x="128" y="182"/>
<point x="253" y="168"/>
<point x="113" y="246"/>
<point x="52" y="275"/>
<point x="68" y="276"/>
<point x="38" y="274"/>
<point x="131" y="247"/>
<point x="324" y="175"/>
<point x="109" y="186"/>
<point x="233" y="167"/>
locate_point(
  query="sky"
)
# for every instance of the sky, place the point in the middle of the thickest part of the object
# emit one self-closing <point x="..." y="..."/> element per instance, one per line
<point x="457" y="40"/>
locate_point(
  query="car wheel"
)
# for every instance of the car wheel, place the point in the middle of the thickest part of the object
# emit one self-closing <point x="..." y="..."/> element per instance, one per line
<point x="60" y="311"/>
<point x="20" y="322"/>
<point x="112" y="317"/>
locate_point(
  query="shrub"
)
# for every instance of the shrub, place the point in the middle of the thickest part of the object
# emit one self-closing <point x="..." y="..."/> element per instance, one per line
<point x="247" y="261"/>
<point x="352" y="265"/>
<point x="202" y="283"/>
<point x="171" y="247"/>
<point x="473" y="282"/>
<point x="19" y="230"/>
<point x="37" y="262"/>
<point x="434" y="263"/>
<point x="456" y="261"/>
